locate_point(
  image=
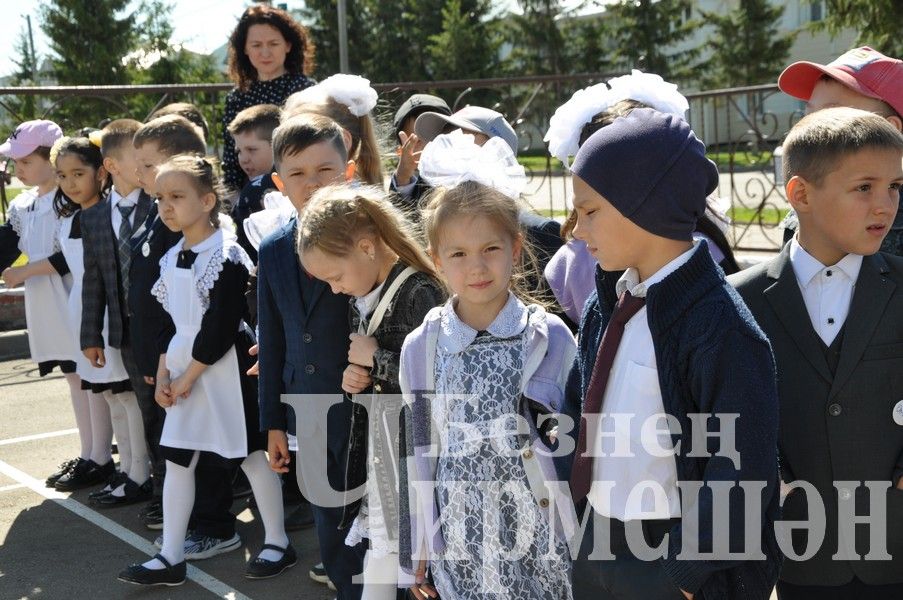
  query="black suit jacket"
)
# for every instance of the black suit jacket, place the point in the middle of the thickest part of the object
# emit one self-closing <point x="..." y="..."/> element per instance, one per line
<point x="837" y="427"/>
<point x="102" y="283"/>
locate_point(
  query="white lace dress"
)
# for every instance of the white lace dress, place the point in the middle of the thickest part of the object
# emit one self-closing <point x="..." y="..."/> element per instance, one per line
<point x="497" y="539"/>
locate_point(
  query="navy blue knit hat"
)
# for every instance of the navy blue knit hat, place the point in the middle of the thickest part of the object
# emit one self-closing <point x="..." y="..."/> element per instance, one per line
<point x="652" y="168"/>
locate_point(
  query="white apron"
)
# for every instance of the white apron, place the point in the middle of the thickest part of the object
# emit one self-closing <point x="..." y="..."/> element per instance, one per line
<point x="212" y="418"/>
<point x="50" y="335"/>
<point x="114" y="369"/>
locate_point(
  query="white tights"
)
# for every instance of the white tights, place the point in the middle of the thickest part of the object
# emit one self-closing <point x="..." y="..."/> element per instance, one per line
<point x="178" y="500"/>
<point x="92" y="417"/>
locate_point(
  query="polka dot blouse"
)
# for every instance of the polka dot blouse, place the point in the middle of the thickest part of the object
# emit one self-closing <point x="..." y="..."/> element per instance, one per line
<point x="275" y="92"/>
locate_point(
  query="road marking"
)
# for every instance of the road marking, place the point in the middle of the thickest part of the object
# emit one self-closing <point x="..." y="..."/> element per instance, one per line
<point x="38" y="436"/>
<point x="208" y="582"/>
<point x="12" y="486"/>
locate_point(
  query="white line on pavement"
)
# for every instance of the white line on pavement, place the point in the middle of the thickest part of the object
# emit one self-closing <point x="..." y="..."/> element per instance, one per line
<point x="208" y="582"/>
<point x="12" y="486"/>
<point x="38" y="436"/>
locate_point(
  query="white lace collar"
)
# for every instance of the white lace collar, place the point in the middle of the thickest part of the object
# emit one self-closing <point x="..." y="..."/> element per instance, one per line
<point x="455" y="335"/>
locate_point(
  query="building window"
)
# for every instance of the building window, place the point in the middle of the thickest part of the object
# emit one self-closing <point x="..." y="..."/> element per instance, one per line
<point x="817" y="11"/>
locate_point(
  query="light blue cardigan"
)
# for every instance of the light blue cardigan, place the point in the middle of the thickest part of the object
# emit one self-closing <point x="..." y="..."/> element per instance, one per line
<point x="550" y="353"/>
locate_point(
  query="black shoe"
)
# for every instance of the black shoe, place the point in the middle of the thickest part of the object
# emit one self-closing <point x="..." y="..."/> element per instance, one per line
<point x="112" y="483"/>
<point x="63" y="469"/>
<point x="134" y="493"/>
<point x="154" y="505"/>
<point x="260" y="568"/>
<point x="153" y="519"/>
<point x="301" y="518"/>
<point x="85" y="475"/>
<point x="171" y="575"/>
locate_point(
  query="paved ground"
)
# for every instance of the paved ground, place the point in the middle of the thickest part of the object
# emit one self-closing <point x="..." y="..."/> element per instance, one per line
<point x="56" y="546"/>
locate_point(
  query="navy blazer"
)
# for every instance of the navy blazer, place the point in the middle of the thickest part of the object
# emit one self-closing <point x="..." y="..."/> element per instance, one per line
<point x="303" y="337"/>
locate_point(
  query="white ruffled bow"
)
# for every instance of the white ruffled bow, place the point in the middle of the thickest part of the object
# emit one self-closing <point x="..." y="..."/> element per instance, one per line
<point x="351" y="90"/>
<point x="453" y="158"/>
<point x="568" y="121"/>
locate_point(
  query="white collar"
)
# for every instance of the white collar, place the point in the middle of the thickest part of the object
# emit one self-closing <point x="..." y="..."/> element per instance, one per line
<point x="455" y="335"/>
<point x="132" y="199"/>
<point x="367" y="304"/>
<point x="806" y="267"/>
<point x="214" y="240"/>
<point x="630" y="280"/>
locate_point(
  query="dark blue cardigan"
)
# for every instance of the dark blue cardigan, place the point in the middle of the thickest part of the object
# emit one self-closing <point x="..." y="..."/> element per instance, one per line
<point x="711" y="358"/>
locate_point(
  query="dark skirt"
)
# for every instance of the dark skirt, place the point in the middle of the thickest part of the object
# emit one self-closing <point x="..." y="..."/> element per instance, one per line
<point x="46" y="367"/>
<point x="257" y="439"/>
<point x="117" y="387"/>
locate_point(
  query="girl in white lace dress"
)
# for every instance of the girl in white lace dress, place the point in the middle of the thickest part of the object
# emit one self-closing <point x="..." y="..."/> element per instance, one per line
<point x="211" y="403"/>
<point x="495" y="365"/>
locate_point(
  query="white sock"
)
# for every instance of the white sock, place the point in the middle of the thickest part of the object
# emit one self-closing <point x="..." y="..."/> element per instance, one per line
<point x="268" y="494"/>
<point x="139" y="470"/>
<point x="178" y="499"/>
<point x="82" y="413"/>
<point x="120" y="421"/>
<point x="101" y="429"/>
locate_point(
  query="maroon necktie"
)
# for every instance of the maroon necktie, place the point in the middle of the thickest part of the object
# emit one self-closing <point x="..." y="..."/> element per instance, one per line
<point x="582" y="471"/>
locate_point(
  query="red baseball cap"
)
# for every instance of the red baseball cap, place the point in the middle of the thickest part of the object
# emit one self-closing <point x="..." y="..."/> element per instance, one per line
<point x="863" y="70"/>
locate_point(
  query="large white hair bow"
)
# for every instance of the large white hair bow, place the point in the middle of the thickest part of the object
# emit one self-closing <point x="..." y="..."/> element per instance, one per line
<point x="568" y="121"/>
<point x="351" y="90"/>
<point x="453" y="158"/>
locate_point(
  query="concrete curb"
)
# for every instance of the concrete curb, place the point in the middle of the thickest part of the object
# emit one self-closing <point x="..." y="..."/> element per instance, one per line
<point x="14" y="344"/>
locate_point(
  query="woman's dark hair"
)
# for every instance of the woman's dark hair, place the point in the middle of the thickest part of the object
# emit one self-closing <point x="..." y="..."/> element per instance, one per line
<point x="708" y="227"/>
<point x="88" y="154"/>
<point x="299" y="60"/>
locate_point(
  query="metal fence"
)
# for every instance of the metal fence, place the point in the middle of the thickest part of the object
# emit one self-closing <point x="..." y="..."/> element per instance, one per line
<point x="741" y="127"/>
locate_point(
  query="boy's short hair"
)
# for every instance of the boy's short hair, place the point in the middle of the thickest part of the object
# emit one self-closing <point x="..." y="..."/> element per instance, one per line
<point x="300" y="132"/>
<point x="187" y="110"/>
<point x="173" y="135"/>
<point x="261" y="119"/>
<point x="116" y="134"/>
<point x="819" y="140"/>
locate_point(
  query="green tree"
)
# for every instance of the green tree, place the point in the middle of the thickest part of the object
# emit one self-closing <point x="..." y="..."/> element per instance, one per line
<point x="88" y="39"/>
<point x="877" y="21"/>
<point x="746" y="47"/>
<point x="23" y="108"/>
<point x="467" y="47"/>
<point x="648" y="35"/>
<point x="589" y="48"/>
<point x="538" y="44"/>
<point x="155" y="60"/>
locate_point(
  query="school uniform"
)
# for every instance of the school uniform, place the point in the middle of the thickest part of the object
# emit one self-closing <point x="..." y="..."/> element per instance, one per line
<point x="109" y="248"/>
<point x="249" y="202"/>
<point x="31" y="229"/>
<point x="837" y="334"/>
<point x="303" y="332"/>
<point x="692" y="348"/>
<point x="112" y="375"/>
<point x="200" y="288"/>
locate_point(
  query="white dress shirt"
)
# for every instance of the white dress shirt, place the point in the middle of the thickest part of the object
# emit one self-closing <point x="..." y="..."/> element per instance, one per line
<point x="638" y="459"/>
<point x="827" y="291"/>
<point x="115" y="200"/>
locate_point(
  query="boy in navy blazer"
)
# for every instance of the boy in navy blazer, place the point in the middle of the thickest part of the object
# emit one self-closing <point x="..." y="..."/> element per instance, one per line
<point x="303" y="331"/>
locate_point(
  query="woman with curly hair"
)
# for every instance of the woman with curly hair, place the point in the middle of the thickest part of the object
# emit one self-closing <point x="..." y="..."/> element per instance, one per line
<point x="270" y="56"/>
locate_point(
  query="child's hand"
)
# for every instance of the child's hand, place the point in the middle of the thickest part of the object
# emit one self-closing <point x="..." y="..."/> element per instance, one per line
<point x="163" y="393"/>
<point x="148" y="380"/>
<point x="254" y="371"/>
<point x="277" y="449"/>
<point x="410" y="157"/>
<point x="356" y="379"/>
<point x="362" y="350"/>
<point x="95" y="357"/>
<point x="421" y="589"/>
<point x="181" y="387"/>
<point x="13" y="277"/>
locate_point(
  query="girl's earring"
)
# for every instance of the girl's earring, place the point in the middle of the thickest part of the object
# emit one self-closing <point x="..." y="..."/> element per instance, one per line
<point x="372" y="256"/>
